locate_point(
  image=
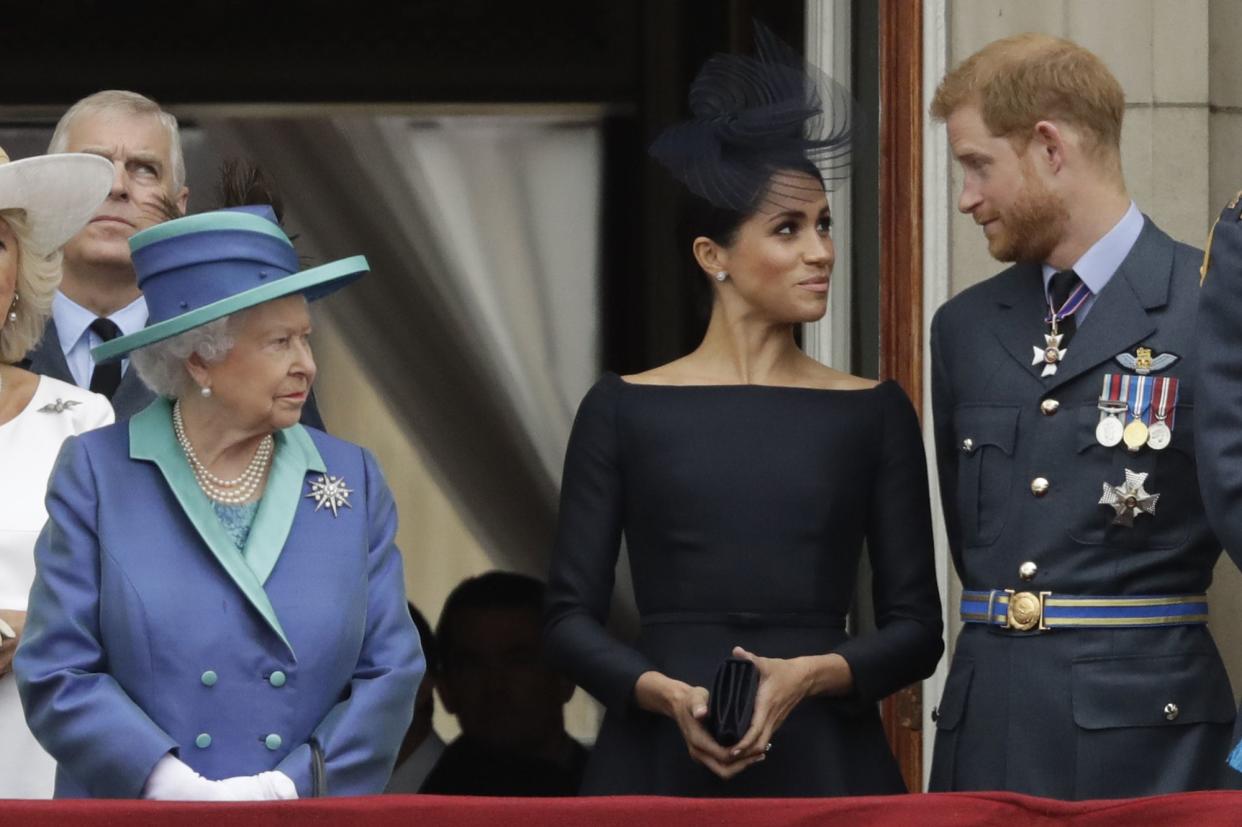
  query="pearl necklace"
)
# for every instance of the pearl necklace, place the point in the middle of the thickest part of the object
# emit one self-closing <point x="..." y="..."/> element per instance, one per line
<point x="229" y="492"/>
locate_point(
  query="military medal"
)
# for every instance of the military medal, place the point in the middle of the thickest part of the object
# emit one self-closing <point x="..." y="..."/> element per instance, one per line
<point x="1052" y="354"/>
<point x="1110" y="430"/>
<point x="1135" y="434"/>
<point x="1164" y="400"/>
<point x="1129" y="499"/>
<point x="1113" y="408"/>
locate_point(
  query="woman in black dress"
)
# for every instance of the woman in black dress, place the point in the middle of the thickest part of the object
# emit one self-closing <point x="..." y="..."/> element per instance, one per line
<point x="746" y="478"/>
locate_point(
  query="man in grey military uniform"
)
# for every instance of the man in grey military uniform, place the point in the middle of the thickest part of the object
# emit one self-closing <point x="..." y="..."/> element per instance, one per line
<point x="1062" y="392"/>
<point x="1218" y="407"/>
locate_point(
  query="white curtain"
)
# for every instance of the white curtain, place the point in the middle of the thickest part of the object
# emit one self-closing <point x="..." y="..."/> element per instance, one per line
<point x="478" y="322"/>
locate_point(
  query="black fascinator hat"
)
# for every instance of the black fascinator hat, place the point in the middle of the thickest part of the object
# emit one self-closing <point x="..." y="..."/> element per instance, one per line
<point x="753" y="117"/>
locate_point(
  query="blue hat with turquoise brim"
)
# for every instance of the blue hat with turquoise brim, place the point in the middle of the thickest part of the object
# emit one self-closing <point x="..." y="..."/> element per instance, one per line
<point x="204" y="267"/>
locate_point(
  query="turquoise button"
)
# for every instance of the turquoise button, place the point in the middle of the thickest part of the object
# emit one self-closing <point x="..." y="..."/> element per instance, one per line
<point x="272" y="741"/>
<point x="209" y="678"/>
<point x="202" y="741"/>
<point x="277" y="679"/>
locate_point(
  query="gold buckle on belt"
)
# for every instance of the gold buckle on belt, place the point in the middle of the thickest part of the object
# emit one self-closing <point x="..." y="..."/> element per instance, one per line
<point x="1026" y="611"/>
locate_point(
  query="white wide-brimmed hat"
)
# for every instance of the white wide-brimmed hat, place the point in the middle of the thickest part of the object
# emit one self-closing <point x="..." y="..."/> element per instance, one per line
<point x="59" y="193"/>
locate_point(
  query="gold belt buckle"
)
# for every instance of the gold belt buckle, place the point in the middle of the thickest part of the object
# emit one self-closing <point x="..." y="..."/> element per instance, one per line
<point x="1026" y="611"/>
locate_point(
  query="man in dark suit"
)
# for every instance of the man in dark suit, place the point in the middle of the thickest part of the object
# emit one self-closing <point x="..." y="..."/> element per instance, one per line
<point x="98" y="298"/>
<point x="1063" y="391"/>
<point x="1218" y="408"/>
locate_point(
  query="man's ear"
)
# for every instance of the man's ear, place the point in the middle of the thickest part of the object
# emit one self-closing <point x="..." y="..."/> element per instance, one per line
<point x="182" y="200"/>
<point x="1050" y="141"/>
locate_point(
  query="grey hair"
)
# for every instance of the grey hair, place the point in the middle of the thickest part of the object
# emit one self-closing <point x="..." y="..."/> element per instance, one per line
<point x="161" y="366"/>
<point x="37" y="279"/>
<point x="130" y="103"/>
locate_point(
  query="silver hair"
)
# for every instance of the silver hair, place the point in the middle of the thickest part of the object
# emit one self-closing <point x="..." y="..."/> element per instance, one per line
<point x="131" y="103"/>
<point x="37" y="279"/>
<point x="161" y="366"/>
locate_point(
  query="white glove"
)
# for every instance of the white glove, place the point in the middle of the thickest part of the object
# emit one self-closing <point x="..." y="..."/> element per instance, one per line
<point x="272" y="785"/>
<point x="172" y="780"/>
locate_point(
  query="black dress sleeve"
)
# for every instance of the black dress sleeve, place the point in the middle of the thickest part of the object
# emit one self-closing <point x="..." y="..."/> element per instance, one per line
<point x="584" y="557"/>
<point x="907" y="642"/>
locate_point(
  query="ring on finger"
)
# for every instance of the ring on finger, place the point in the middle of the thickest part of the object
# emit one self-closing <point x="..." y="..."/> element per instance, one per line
<point x="767" y="748"/>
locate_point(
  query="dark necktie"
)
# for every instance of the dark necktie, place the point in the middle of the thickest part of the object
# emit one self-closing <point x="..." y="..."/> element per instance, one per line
<point x="1059" y="289"/>
<point x="106" y="376"/>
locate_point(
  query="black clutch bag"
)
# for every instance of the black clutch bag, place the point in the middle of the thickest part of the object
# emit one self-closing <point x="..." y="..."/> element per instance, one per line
<point x="733" y="701"/>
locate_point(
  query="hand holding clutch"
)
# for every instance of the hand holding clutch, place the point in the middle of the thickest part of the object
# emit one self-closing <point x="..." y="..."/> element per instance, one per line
<point x="732" y="702"/>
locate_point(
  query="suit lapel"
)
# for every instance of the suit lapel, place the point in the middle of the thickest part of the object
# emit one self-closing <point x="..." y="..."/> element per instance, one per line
<point x="131" y="395"/>
<point x="1119" y="318"/>
<point x="294" y="458"/>
<point x="47" y="359"/>
<point x="151" y="438"/>
<point x="1020" y="327"/>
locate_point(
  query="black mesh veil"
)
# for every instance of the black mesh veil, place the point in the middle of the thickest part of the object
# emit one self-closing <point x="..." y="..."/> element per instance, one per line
<point x="756" y="117"/>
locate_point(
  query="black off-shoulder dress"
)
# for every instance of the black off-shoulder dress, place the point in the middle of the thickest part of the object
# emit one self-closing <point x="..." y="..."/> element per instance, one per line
<point x="745" y="511"/>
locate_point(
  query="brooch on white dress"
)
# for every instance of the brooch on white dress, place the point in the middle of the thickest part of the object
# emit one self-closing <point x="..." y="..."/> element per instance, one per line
<point x="60" y="406"/>
<point x="330" y="492"/>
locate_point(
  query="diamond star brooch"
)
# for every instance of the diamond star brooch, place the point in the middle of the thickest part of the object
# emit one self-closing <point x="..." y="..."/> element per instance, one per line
<point x="1129" y="499"/>
<point x="330" y="492"/>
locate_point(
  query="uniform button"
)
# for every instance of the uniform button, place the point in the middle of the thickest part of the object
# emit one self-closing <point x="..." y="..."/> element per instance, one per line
<point x="968" y="445"/>
<point x="276" y="679"/>
<point x="1171" y="711"/>
<point x="1049" y="406"/>
<point x="1040" y="486"/>
<point x="272" y="742"/>
<point x="1028" y="570"/>
<point x="209" y="678"/>
<point x="202" y="741"/>
<point x="935" y="714"/>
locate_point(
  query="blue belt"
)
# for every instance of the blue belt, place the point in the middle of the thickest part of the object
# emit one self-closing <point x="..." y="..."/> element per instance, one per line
<point x="1042" y="611"/>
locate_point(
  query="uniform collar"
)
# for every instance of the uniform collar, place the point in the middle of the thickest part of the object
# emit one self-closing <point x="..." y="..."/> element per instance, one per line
<point x="151" y="438"/>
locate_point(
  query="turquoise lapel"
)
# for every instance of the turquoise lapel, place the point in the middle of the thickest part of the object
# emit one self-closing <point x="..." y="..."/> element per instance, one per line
<point x="151" y="438"/>
<point x="295" y="456"/>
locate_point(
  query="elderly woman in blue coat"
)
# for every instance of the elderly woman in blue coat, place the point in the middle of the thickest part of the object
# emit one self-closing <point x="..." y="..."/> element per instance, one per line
<point x="218" y="609"/>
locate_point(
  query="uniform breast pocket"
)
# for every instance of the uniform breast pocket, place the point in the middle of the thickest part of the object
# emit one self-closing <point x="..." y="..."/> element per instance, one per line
<point x="985" y="438"/>
<point x="1170" y="474"/>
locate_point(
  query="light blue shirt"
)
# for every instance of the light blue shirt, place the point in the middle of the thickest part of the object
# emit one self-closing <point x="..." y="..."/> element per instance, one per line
<point x="1102" y="258"/>
<point x="73" y="323"/>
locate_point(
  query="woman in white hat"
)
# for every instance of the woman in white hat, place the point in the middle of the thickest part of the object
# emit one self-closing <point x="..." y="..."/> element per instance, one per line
<point x="44" y="201"/>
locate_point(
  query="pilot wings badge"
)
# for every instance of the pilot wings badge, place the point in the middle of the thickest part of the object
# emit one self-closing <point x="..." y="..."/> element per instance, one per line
<point x="1143" y="362"/>
<point x="60" y="406"/>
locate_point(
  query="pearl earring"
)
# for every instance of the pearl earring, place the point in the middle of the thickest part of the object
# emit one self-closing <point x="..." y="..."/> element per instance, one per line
<point x="721" y="276"/>
<point x="204" y="391"/>
<point x="13" y="308"/>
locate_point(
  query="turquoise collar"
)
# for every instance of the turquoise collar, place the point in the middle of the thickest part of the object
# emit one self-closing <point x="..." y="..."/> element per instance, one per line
<point x="151" y="438"/>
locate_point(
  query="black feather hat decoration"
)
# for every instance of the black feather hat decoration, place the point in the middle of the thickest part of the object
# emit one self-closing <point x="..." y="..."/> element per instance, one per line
<point x="754" y="118"/>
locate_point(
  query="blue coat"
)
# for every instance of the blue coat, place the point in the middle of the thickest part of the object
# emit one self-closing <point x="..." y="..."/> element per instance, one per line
<point x="149" y="631"/>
